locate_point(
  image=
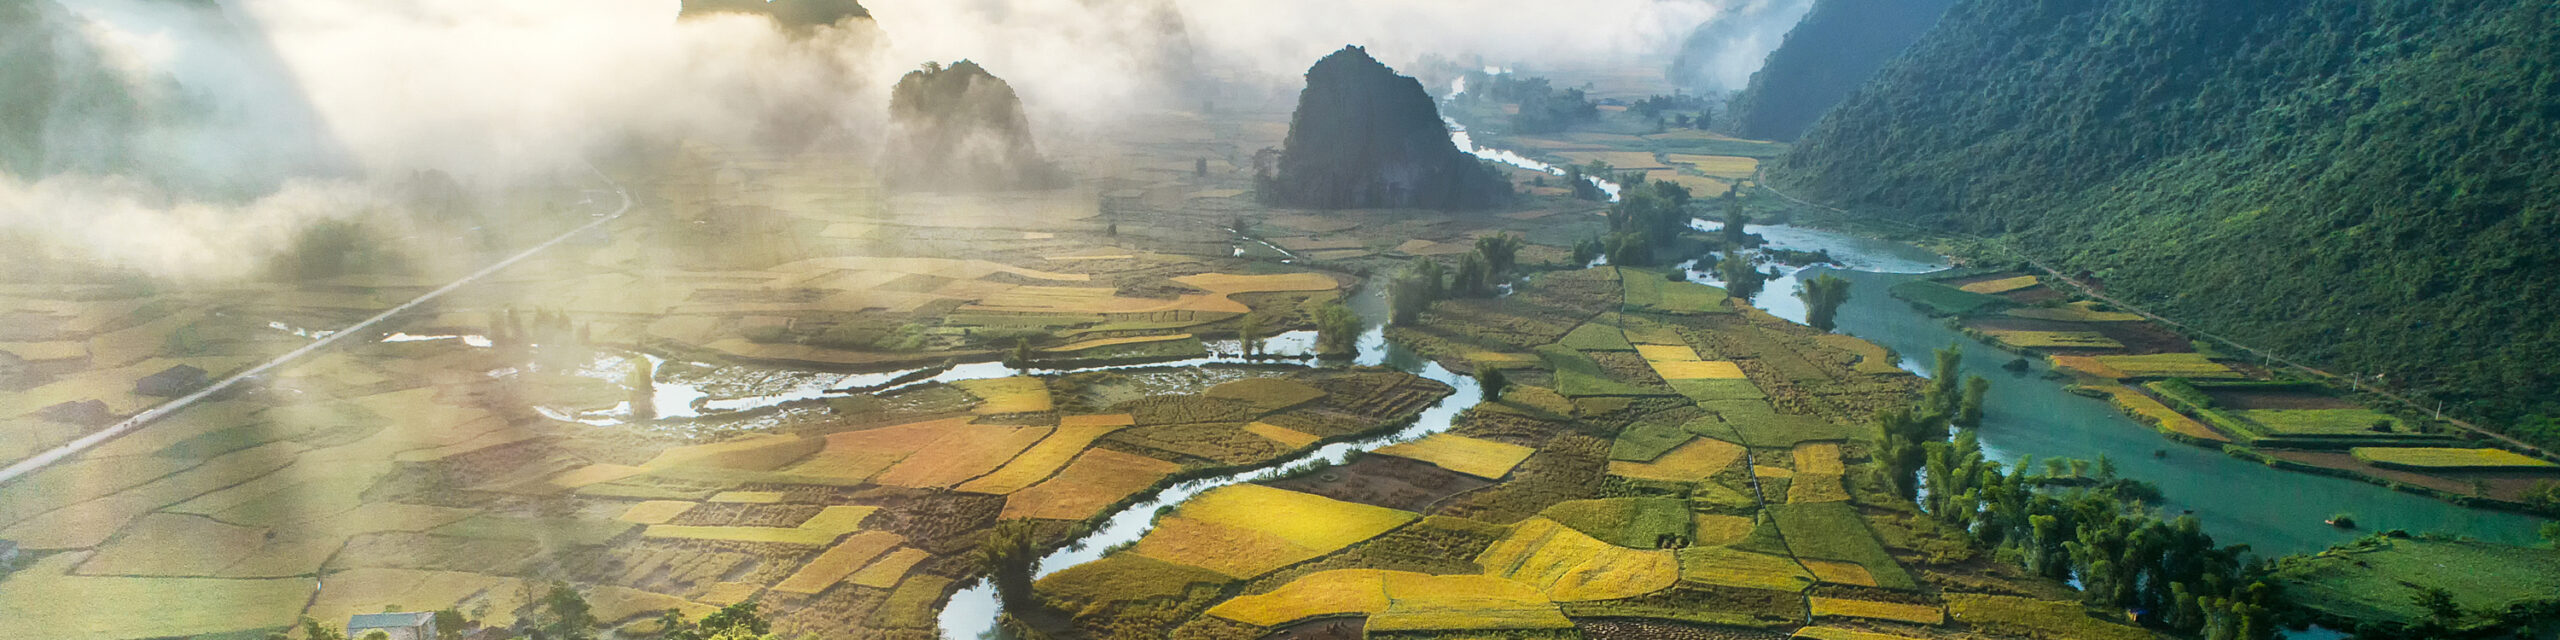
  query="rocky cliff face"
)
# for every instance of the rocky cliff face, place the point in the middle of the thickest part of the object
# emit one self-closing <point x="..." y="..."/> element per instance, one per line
<point x="1837" y="47"/>
<point x="2374" y="176"/>
<point x="960" y="128"/>
<point x="1364" y="137"/>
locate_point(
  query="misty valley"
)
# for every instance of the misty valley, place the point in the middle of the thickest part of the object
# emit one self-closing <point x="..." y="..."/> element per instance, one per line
<point x="1336" y="319"/>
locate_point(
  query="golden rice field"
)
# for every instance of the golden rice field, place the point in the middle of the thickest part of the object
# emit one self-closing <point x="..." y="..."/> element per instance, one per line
<point x="2055" y="339"/>
<point x="1472" y="456"/>
<point x="1836" y="633"/>
<point x="2135" y="403"/>
<point x="887" y="571"/>
<point x="1816" y="487"/>
<point x="1044" y="459"/>
<point x="1728" y="567"/>
<point x="2168" y="365"/>
<point x="2003" y="285"/>
<point x="1018" y="394"/>
<point x="1697" y="370"/>
<point x="1733" y="167"/>
<point x="1714" y="530"/>
<point x="1314" y="521"/>
<point x="1399" y="601"/>
<point x="1093" y="481"/>
<point x="1690" y="462"/>
<point x="1569" y="565"/>
<point x="1291" y="438"/>
<point x="1894" y="611"/>
<point x="2028" y="617"/>
<point x="2074" y="312"/>
<point x="1236" y="552"/>
<point x="2087" y="365"/>
<point x="960" y="455"/>
<point x="1836" y="572"/>
<point x="1667" y="352"/>
<point x="1818" y="458"/>
<point x="839" y="561"/>
<point x="2442" y="458"/>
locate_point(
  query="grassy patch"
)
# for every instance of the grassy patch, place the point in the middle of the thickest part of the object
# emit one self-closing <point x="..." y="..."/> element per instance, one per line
<point x="1644" y="441"/>
<point x="1597" y="336"/>
<point x="1627" y="522"/>
<point x="2377" y="579"/>
<point x="1577" y="375"/>
<point x="2002" y="285"/>
<point x="1712" y="389"/>
<point x="2169" y="365"/>
<point x="2324" y="422"/>
<point x="2076" y="312"/>
<point x="1833" y="531"/>
<point x="1944" y="300"/>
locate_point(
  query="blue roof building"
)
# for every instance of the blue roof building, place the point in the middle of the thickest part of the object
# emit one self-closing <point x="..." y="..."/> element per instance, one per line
<point x="419" y="625"/>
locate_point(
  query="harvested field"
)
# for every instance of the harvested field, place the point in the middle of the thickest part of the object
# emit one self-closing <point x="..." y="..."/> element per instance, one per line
<point x="1690" y="462"/>
<point x="1894" y="611"/>
<point x="1267" y="394"/>
<point x="1695" y="370"/>
<point x="1073" y="347"/>
<point x="1711" y="530"/>
<point x="1093" y="481"/>
<point x="1873" y="359"/>
<point x="1393" y="482"/>
<point x="822" y="530"/>
<point x="2030" y="618"/>
<point x="1836" y="572"/>
<point x="856" y="456"/>
<point x="758" y="453"/>
<point x="1480" y="458"/>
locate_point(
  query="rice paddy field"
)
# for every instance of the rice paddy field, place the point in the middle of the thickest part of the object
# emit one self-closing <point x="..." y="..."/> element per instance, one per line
<point x="1740" y="509"/>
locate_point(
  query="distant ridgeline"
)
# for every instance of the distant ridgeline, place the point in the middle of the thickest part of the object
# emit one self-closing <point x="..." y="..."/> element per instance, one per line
<point x="2366" y="184"/>
<point x="959" y="128"/>
<point x="788" y="13"/>
<point x="1367" y="138"/>
<point x="1837" y="47"/>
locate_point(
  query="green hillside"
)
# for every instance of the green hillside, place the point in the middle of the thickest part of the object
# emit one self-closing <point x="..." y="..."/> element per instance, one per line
<point x="1837" y="47"/>
<point x="2364" y="183"/>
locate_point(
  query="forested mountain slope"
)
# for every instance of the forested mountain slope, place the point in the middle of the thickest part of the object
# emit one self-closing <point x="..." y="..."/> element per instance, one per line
<point x="1837" y="47"/>
<point x="2365" y="183"/>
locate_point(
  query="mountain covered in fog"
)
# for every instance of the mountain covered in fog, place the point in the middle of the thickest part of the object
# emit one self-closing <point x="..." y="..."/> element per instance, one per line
<point x="960" y="128"/>
<point x="2365" y="184"/>
<point x="1365" y="137"/>
<point x="788" y="13"/>
<point x="222" y="118"/>
<point x="1837" y="47"/>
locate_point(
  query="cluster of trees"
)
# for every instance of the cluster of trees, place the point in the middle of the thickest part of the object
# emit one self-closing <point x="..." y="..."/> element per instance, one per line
<point x="2092" y="528"/>
<point x="1685" y="111"/>
<point x="564" y="614"/>
<point x="1578" y="179"/>
<point x="332" y="248"/>
<point x="2352" y="163"/>
<point x="1822" y="297"/>
<point x="1480" y="273"/>
<point x="1337" y="330"/>
<point x="1543" y="108"/>
<point x="1647" y="216"/>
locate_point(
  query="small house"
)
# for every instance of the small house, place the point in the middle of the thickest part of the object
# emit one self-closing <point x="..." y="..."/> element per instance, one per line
<point x="174" y="381"/>
<point x="419" y="625"/>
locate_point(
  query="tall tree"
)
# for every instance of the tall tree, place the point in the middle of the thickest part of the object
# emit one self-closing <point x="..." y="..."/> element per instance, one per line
<point x="1492" y="382"/>
<point x="1822" y="297"/>
<point x="1742" y="279"/>
<point x="1337" y="330"/>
